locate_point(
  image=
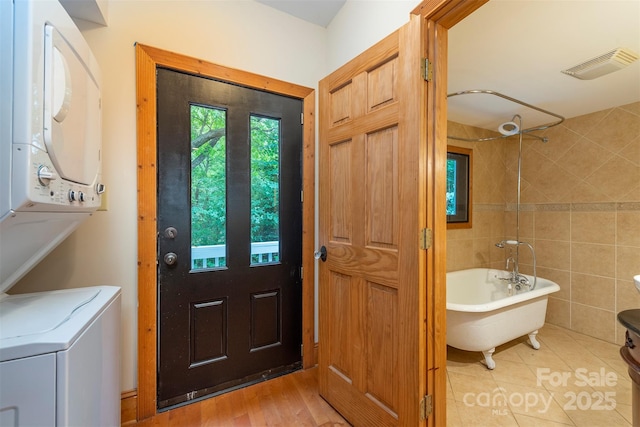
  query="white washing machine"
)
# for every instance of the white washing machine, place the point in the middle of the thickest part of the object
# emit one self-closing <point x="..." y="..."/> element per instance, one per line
<point x="60" y="358"/>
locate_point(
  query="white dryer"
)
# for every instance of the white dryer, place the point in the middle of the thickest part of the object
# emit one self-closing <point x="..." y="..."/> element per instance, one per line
<point x="50" y="133"/>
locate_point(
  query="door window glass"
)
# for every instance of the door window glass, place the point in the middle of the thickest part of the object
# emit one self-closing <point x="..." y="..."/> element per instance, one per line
<point x="208" y="188"/>
<point x="265" y="190"/>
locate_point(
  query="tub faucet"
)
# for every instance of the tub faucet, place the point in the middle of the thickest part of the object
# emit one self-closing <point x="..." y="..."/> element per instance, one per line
<point x="516" y="279"/>
<point x="515" y="274"/>
<point x="512" y="262"/>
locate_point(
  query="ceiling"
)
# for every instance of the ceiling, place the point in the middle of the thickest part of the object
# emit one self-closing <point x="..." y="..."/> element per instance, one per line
<point x="319" y="12"/>
<point x="518" y="48"/>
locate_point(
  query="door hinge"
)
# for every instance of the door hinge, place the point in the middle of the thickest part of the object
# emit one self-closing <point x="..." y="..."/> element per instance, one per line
<point x="301" y="118"/>
<point x="426" y="407"/>
<point x="426" y="238"/>
<point x="302" y="350"/>
<point x="302" y="197"/>
<point x="301" y="272"/>
<point x="427" y="69"/>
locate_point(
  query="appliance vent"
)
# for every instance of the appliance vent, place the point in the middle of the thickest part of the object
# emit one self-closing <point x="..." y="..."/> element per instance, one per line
<point x="603" y="64"/>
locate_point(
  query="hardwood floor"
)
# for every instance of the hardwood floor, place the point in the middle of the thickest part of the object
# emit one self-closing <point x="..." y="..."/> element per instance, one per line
<point x="290" y="400"/>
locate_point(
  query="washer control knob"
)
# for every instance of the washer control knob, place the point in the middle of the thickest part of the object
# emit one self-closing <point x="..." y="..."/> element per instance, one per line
<point x="72" y="196"/>
<point x="45" y="175"/>
<point x="81" y="196"/>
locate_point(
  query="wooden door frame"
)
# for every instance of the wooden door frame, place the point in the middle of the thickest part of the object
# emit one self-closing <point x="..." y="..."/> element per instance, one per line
<point x="147" y="60"/>
<point x="439" y="17"/>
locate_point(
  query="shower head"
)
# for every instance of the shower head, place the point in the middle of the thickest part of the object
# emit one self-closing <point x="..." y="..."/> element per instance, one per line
<point x="509" y="128"/>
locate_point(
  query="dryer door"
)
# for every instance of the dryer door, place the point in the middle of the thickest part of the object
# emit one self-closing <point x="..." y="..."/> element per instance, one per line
<point x="72" y="123"/>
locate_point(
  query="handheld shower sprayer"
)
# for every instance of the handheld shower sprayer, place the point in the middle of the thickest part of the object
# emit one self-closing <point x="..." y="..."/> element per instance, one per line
<point x="502" y="243"/>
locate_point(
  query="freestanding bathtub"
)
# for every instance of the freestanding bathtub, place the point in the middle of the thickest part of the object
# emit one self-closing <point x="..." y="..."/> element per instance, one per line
<point x="481" y="314"/>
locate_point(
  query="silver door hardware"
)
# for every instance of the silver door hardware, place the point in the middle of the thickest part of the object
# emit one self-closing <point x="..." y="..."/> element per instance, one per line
<point x="427" y="70"/>
<point x="170" y="233"/>
<point x="170" y="258"/>
<point x="321" y="254"/>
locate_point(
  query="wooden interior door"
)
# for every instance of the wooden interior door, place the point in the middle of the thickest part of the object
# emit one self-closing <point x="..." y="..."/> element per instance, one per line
<point x="372" y="337"/>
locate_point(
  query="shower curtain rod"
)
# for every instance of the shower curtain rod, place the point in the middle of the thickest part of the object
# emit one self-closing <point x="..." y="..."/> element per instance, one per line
<point x="517" y="101"/>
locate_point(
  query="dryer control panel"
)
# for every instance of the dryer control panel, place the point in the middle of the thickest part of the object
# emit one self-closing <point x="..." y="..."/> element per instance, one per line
<point x="45" y="189"/>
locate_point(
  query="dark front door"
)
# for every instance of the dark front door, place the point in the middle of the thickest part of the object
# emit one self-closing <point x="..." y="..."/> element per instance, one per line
<point x="229" y="233"/>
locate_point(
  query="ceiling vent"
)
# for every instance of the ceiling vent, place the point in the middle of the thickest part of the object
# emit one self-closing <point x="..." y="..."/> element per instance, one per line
<point x="603" y="64"/>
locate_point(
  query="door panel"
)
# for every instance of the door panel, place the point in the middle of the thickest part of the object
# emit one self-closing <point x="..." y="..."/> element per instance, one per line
<point x="229" y="182"/>
<point x="372" y="285"/>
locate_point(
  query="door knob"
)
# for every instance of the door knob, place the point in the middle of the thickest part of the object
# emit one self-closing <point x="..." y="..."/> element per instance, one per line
<point x="321" y="254"/>
<point x="170" y="258"/>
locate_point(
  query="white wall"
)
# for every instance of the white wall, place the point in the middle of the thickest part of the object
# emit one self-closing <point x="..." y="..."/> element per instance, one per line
<point x="362" y="23"/>
<point x="241" y="34"/>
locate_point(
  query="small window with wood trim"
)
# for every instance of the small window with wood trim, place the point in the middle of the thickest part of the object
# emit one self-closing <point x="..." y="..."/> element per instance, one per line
<point x="459" y="185"/>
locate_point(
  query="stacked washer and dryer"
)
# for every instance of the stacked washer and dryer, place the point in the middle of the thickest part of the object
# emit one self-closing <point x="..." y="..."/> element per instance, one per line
<point x="59" y="350"/>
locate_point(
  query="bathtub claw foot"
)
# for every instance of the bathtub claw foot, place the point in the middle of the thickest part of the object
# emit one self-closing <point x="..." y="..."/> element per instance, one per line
<point x="533" y="341"/>
<point x="488" y="359"/>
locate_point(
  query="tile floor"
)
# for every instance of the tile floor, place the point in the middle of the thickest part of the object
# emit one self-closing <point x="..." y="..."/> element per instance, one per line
<point x="572" y="379"/>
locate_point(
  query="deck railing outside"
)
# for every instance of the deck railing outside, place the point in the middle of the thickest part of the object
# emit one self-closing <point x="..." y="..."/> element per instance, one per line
<point x="213" y="256"/>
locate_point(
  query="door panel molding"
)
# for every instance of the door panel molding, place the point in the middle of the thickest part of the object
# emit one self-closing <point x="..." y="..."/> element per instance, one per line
<point x="147" y="60"/>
